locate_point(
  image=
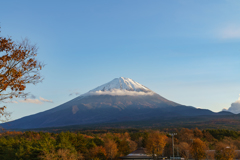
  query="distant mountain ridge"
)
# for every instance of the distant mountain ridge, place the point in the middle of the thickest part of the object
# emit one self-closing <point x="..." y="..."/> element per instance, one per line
<point x="121" y="99"/>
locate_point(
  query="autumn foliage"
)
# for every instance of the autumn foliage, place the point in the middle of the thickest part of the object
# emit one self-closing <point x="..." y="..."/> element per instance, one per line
<point x="198" y="149"/>
<point x="184" y="150"/>
<point x="111" y="144"/>
<point x="110" y="147"/>
<point x="225" y="151"/>
<point x="64" y="146"/>
<point x="155" y="143"/>
<point x="18" y="67"/>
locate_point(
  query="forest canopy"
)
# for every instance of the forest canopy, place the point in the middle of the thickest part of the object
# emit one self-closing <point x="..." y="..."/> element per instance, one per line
<point x="111" y="144"/>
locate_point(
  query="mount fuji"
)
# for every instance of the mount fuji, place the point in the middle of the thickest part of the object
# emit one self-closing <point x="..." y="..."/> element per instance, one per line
<point x="121" y="99"/>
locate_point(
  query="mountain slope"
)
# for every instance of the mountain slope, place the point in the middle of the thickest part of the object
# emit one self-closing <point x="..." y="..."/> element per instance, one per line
<point x="122" y="99"/>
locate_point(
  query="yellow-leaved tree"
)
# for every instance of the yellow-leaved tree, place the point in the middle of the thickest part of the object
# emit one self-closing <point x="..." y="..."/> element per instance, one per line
<point x="110" y="147"/>
<point x="155" y="143"/>
<point x="198" y="149"/>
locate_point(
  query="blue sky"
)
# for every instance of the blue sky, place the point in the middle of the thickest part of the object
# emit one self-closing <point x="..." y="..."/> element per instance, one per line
<point x="187" y="51"/>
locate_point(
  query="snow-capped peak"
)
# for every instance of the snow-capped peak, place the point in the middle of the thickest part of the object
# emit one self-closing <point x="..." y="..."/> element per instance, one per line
<point x="121" y="86"/>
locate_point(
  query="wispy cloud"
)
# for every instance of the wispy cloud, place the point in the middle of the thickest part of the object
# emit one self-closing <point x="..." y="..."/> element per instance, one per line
<point x="33" y="97"/>
<point x="74" y="93"/>
<point x="230" y="32"/>
<point x="10" y="102"/>
<point x="45" y="100"/>
<point x="36" y="101"/>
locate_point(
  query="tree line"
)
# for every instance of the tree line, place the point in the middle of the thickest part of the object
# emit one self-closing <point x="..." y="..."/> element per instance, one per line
<point x="97" y="145"/>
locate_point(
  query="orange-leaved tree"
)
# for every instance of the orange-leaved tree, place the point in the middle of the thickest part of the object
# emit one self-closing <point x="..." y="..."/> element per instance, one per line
<point x="184" y="149"/>
<point x="224" y="151"/>
<point x="18" y="67"/>
<point x="155" y="143"/>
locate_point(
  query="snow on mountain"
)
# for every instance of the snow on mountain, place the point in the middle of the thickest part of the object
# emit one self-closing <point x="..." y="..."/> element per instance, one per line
<point x="121" y="86"/>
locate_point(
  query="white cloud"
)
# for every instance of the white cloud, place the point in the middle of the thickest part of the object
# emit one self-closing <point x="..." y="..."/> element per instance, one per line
<point x="120" y="93"/>
<point x="230" y="32"/>
<point x="36" y="101"/>
<point x="235" y="107"/>
<point x="45" y="100"/>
